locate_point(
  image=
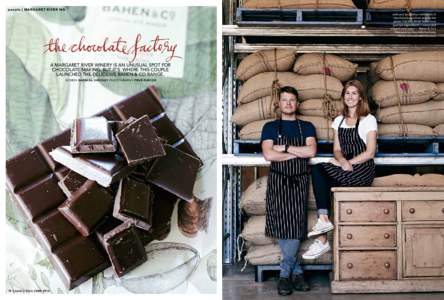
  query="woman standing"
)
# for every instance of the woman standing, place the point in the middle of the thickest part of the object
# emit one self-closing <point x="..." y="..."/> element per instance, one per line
<point x="354" y="149"/>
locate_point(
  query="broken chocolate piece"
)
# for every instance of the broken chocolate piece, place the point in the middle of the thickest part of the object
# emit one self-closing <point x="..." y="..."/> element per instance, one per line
<point x="124" y="248"/>
<point x="92" y="135"/>
<point x="175" y="172"/>
<point x="139" y="142"/>
<point x="134" y="203"/>
<point x="87" y="206"/>
<point x="105" y="168"/>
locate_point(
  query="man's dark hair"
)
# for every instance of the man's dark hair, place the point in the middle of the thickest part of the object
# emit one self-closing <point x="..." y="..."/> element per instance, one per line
<point x="290" y="90"/>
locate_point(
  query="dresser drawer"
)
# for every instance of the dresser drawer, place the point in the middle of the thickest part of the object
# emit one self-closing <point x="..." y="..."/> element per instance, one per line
<point x="423" y="210"/>
<point x="367" y="236"/>
<point x="367" y="265"/>
<point x="367" y="211"/>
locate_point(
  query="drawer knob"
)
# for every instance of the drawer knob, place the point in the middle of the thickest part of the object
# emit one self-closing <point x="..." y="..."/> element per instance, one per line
<point x="412" y="210"/>
<point x="442" y="210"/>
<point x="349" y="236"/>
<point x="386" y="235"/>
<point x="386" y="211"/>
<point x="387" y="265"/>
<point x="349" y="265"/>
<point x="348" y="211"/>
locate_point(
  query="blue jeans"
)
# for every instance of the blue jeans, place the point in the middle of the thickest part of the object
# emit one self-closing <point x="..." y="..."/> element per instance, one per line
<point x="289" y="263"/>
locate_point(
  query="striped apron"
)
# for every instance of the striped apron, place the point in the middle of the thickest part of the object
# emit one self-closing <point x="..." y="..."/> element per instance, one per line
<point x="351" y="145"/>
<point x="287" y="191"/>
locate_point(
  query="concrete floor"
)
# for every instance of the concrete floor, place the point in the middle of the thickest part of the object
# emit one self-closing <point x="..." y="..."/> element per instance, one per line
<point x="241" y="285"/>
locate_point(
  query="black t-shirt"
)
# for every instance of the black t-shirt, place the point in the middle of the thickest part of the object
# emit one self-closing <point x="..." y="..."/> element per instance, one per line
<point x="289" y="128"/>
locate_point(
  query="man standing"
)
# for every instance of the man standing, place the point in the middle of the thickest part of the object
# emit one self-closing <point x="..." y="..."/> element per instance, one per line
<point x="288" y="143"/>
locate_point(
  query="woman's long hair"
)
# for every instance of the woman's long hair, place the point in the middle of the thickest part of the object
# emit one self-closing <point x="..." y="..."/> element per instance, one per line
<point x="363" y="108"/>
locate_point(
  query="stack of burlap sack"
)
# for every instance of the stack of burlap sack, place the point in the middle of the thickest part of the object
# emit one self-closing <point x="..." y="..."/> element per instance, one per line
<point x="406" y="4"/>
<point x="317" y="78"/>
<point x="404" y="180"/>
<point x="410" y="94"/>
<point x="262" y="250"/>
<point x="313" y="4"/>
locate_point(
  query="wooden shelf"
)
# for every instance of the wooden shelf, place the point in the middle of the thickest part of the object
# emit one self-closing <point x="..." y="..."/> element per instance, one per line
<point x="258" y="160"/>
<point x="330" y="31"/>
<point x="348" y="49"/>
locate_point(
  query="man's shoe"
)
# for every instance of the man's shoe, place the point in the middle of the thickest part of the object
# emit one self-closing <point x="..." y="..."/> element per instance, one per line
<point x="320" y="228"/>
<point x="316" y="249"/>
<point x="284" y="287"/>
<point x="299" y="283"/>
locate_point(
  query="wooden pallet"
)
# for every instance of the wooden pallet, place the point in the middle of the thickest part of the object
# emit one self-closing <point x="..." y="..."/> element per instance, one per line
<point x="282" y="17"/>
<point x="259" y="270"/>
<point x="429" y="146"/>
<point x="399" y="18"/>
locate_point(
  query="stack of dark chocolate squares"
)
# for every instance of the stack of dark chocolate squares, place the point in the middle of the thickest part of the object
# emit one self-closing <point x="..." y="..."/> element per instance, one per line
<point x="120" y="174"/>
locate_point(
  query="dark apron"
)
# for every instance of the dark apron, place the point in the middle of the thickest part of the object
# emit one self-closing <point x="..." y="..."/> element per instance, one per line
<point x="351" y="146"/>
<point x="287" y="191"/>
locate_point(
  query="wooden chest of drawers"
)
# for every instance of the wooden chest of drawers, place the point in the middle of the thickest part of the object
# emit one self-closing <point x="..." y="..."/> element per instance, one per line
<point x="388" y="240"/>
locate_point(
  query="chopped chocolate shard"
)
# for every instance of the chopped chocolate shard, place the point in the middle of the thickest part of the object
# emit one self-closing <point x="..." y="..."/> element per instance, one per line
<point x="92" y="135"/>
<point x="139" y="142"/>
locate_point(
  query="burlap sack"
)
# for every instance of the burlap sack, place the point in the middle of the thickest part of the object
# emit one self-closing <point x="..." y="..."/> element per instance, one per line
<point x="264" y="255"/>
<point x="440" y="90"/>
<point x="429" y="180"/>
<point x="313" y="87"/>
<point x="308" y="86"/>
<point x="411" y="130"/>
<point x="298" y="4"/>
<point x="265" y="61"/>
<point x="260" y="109"/>
<point x="430" y="113"/>
<point x="253" y="130"/>
<point x="422" y="66"/>
<point x="439" y="130"/>
<point x="322" y="126"/>
<point x="404" y="4"/>
<point x="259" y="85"/>
<point x="254" y="231"/>
<point x="372" y="76"/>
<point x="410" y="92"/>
<point x="253" y="198"/>
<point x="271" y="254"/>
<point x="319" y="107"/>
<point x="316" y="63"/>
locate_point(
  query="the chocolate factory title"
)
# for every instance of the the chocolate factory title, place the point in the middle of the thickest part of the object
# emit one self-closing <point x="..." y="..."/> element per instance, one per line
<point x="118" y="45"/>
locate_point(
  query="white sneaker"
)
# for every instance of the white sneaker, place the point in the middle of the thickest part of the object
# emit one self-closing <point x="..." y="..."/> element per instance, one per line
<point x="316" y="249"/>
<point x="320" y="228"/>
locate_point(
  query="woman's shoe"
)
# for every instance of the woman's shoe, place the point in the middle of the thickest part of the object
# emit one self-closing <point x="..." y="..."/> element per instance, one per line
<point x="321" y="228"/>
<point x="316" y="250"/>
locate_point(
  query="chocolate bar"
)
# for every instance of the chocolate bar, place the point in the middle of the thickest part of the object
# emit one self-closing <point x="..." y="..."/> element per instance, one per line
<point x="87" y="206"/>
<point x="74" y="257"/>
<point x="40" y="196"/>
<point x="139" y="142"/>
<point x="105" y="168"/>
<point x="92" y="135"/>
<point x="124" y="248"/>
<point x="175" y="172"/>
<point x="71" y="182"/>
<point x="133" y="203"/>
<point x="78" y="260"/>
